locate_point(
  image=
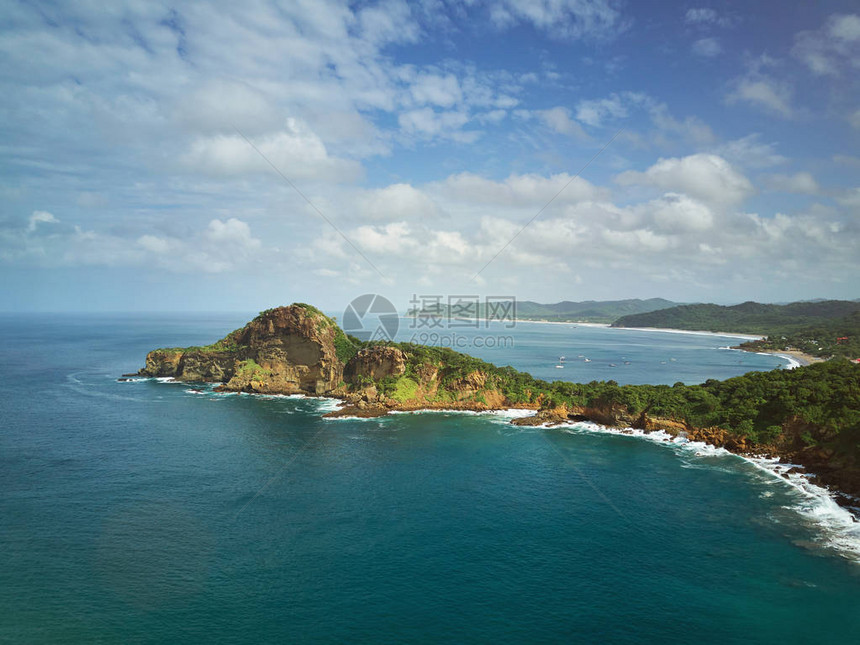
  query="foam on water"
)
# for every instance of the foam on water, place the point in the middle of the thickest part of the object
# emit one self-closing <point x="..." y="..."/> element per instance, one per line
<point x="839" y="529"/>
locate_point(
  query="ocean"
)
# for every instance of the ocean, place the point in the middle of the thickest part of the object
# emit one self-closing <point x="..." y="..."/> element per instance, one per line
<point x="151" y="511"/>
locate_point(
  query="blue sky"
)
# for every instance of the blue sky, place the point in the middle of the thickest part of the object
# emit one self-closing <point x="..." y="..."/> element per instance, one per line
<point x="427" y="134"/>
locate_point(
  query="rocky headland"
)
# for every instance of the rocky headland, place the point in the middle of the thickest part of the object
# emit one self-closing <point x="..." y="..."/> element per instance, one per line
<point x="299" y="350"/>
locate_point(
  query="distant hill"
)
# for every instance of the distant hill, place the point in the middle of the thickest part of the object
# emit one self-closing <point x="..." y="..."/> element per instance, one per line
<point x="595" y="311"/>
<point x="748" y="317"/>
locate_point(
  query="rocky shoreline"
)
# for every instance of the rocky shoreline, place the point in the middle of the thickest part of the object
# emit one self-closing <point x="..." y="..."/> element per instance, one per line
<point x="815" y="465"/>
<point x="299" y="350"/>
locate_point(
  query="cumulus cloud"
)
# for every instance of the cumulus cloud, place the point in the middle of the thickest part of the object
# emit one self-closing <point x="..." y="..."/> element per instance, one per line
<point x="220" y="247"/>
<point x="679" y="213"/>
<point x="295" y="151"/>
<point x="397" y="201"/>
<point x="517" y="190"/>
<point x="706" y="176"/>
<point x="673" y="237"/>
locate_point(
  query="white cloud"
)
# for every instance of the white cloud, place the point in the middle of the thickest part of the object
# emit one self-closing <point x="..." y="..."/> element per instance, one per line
<point x="40" y="217"/>
<point x="750" y="152"/>
<point x="558" y="119"/>
<point x="295" y="151"/>
<point x="798" y="183"/>
<point x="832" y="49"/>
<point x="517" y="190"/>
<point x="707" y="47"/>
<point x="851" y="198"/>
<point x="705" y="176"/>
<point x="594" y="112"/>
<point x="667" y="128"/>
<point x="443" y="91"/>
<point x="690" y="129"/>
<point x="221" y="246"/>
<point x="427" y="123"/>
<point x="566" y="19"/>
<point x="397" y="201"/>
<point x="679" y="213"/>
<point x="701" y="16"/>
<point x="389" y="22"/>
<point x="763" y="92"/>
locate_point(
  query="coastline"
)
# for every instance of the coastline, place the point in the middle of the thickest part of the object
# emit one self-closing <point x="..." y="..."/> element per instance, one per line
<point x="791" y="354"/>
<point x="835" y="509"/>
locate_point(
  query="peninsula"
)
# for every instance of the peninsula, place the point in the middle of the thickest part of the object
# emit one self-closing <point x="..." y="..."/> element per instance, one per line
<point x="808" y="416"/>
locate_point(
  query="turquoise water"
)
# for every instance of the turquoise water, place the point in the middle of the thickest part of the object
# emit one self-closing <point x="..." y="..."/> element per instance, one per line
<point x="145" y="512"/>
<point x="622" y="355"/>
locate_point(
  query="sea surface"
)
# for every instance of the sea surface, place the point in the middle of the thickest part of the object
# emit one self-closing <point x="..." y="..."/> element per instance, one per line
<point x="151" y="511"/>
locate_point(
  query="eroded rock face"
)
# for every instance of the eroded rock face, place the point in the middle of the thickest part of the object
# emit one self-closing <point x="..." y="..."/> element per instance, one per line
<point x="282" y="351"/>
<point x="375" y="363"/>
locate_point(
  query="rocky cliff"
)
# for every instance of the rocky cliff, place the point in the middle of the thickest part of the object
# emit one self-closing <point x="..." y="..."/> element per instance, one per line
<point x="285" y="350"/>
<point x="806" y="416"/>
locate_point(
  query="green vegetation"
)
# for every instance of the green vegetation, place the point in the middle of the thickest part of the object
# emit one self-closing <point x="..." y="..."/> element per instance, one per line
<point x="345" y="346"/>
<point x="404" y="389"/>
<point x="836" y="337"/>
<point x="824" y="398"/>
<point x="250" y="370"/>
<point x="749" y="317"/>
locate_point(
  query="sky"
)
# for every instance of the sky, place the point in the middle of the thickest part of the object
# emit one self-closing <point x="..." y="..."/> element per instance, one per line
<point x="225" y="156"/>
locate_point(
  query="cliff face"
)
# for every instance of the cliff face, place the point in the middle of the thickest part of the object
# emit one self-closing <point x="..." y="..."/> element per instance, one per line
<point x="375" y="363"/>
<point x="282" y="351"/>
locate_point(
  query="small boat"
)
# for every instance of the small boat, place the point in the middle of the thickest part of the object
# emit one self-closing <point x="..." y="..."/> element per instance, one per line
<point x="561" y="359"/>
<point x="559" y="367"/>
<point x="627" y="362"/>
<point x="587" y="360"/>
<point x="612" y="365"/>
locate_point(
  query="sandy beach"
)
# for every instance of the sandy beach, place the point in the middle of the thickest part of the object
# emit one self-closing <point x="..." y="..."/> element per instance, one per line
<point x="800" y="357"/>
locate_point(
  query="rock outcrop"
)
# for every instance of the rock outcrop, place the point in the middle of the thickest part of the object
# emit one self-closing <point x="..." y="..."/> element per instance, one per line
<point x="282" y="351"/>
<point x="298" y="349"/>
<point x="375" y="364"/>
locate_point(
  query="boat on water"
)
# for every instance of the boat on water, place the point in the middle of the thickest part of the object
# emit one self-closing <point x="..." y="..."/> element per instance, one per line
<point x="559" y="367"/>
<point x="587" y="360"/>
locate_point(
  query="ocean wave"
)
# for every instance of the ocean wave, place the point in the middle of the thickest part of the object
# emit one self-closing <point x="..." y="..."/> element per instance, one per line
<point x="837" y="526"/>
